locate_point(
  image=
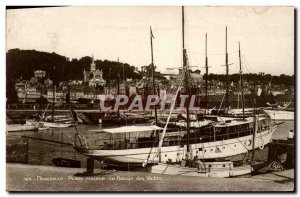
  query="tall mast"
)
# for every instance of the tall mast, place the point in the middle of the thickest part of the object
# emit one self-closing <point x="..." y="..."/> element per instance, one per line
<point x="108" y="82"/>
<point x="241" y="79"/>
<point x="206" y="68"/>
<point x="185" y="68"/>
<point x="124" y="80"/>
<point x="254" y="125"/>
<point x="227" y="70"/>
<point x="153" y="71"/>
<point x="53" y="102"/>
<point x="183" y="45"/>
<point x="118" y="80"/>
<point x="118" y="83"/>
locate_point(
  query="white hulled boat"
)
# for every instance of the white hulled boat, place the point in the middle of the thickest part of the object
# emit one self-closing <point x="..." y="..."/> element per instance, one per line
<point x="279" y="114"/>
<point x="20" y="127"/>
<point x="135" y="144"/>
<point x="222" y="169"/>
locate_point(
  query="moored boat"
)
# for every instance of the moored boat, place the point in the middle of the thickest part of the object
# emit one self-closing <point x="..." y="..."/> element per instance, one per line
<point x="44" y="125"/>
<point x="280" y="114"/>
<point x="20" y="127"/>
<point x="126" y="145"/>
<point x="56" y="124"/>
<point x="69" y="163"/>
<point x="222" y="169"/>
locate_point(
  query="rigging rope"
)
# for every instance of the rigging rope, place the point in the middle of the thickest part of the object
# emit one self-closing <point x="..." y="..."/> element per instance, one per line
<point x="221" y="103"/>
<point x="165" y="128"/>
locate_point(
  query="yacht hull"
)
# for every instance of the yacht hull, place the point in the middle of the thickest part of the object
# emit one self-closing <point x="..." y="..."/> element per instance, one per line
<point x="208" y="169"/>
<point x="280" y="115"/>
<point x="208" y="150"/>
<point x="56" y="125"/>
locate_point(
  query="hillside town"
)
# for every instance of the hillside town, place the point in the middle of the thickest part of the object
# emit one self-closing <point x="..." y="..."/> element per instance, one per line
<point x="94" y="86"/>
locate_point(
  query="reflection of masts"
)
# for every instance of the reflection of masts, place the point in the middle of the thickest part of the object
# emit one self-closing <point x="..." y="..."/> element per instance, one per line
<point x="153" y="72"/>
<point x="227" y="70"/>
<point x="241" y="80"/>
<point x="186" y="70"/>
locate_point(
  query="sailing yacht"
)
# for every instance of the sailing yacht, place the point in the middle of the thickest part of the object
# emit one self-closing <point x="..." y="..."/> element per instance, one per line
<point x="152" y="144"/>
<point x="52" y="121"/>
<point x="135" y="144"/>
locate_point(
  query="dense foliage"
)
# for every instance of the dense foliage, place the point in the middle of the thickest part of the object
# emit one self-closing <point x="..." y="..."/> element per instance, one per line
<point x="24" y="62"/>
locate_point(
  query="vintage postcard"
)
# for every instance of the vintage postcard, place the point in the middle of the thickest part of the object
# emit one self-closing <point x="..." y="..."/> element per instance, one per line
<point x="150" y="99"/>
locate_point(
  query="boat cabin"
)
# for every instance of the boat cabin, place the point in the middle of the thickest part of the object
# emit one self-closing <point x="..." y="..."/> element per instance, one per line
<point x="127" y="137"/>
<point x="134" y="137"/>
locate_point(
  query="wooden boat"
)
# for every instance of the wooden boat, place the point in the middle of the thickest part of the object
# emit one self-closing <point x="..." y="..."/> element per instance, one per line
<point x="44" y="125"/>
<point x="59" y="118"/>
<point x="110" y="118"/>
<point x="43" y="128"/>
<point x="280" y="114"/>
<point x="55" y="121"/>
<point x="89" y="117"/>
<point x="56" y="125"/>
<point x="20" y="127"/>
<point x="123" y="119"/>
<point x="69" y="163"/>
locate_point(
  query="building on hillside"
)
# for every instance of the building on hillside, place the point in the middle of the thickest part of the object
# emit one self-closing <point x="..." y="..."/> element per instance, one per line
<point x="94" y="77"/>
<point x="30" y="90"/>
<point x="75" y="82"/>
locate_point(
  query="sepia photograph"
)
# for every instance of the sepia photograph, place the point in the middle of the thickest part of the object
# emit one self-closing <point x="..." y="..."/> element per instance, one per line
<point x="150" y="99"/>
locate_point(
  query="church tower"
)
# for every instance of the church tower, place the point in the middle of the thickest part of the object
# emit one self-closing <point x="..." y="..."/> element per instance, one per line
<point x="93" y="65"/>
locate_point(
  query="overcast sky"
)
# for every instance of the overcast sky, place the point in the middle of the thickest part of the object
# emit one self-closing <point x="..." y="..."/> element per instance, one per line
<point x="266" y="35"/>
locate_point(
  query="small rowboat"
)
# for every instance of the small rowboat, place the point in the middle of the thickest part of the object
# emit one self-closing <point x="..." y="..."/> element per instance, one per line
<point x="63" y="162"/>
